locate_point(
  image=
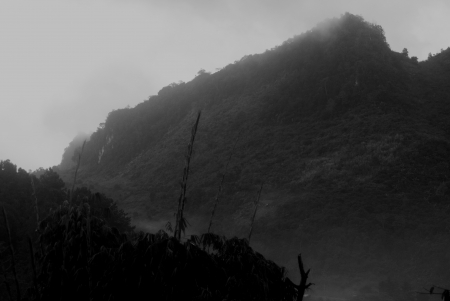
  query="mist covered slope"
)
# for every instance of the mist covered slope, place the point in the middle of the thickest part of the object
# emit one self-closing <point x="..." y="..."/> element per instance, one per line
<point x="71" y="152"/>
<point x="351" y="140"/>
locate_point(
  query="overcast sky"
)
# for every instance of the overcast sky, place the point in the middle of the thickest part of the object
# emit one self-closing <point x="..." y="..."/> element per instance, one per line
<point x="65" y="64"/>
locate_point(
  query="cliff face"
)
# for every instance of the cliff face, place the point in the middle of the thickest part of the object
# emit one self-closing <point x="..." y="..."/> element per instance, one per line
<point x="350" y="139"/>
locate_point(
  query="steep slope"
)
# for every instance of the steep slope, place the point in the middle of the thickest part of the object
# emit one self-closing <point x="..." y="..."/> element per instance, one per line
<point x="350" y="139"/>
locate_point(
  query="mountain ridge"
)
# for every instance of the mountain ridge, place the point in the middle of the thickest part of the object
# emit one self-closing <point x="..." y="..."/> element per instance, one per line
<point x="350" y="138"/>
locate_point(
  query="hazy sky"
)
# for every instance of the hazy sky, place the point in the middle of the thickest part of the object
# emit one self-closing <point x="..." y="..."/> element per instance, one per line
<point x="65" y="64"/>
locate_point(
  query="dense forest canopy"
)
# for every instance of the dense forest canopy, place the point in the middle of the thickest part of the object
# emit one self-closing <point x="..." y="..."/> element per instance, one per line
<point x="287" y="72"/>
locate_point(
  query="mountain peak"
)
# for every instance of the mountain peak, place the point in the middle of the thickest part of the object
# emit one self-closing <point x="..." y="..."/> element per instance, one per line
<point x="348" y="136"/>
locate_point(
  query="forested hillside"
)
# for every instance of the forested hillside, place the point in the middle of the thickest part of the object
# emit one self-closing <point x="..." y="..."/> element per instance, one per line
<point x="350" y="139"/>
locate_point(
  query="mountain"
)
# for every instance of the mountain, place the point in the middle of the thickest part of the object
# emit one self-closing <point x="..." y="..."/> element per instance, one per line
<point x="350" y="138"/>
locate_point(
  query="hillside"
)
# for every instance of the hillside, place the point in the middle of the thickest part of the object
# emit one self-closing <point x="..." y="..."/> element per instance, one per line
<point x="351" y="140"/>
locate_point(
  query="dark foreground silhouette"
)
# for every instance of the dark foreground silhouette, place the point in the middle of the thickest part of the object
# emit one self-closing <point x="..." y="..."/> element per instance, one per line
<point x="80" y="258"/>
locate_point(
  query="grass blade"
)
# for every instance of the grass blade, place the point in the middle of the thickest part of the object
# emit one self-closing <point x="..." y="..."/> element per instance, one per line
<point x="13" y="259"/>
<point x="35" y="203"/>
<point x="33" y="265"/>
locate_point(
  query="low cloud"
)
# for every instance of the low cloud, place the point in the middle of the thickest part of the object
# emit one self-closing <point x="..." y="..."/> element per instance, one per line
<point x="90" y="103"/>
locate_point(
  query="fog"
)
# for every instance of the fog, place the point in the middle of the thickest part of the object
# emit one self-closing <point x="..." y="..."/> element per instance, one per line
<point x="65" y="64"/>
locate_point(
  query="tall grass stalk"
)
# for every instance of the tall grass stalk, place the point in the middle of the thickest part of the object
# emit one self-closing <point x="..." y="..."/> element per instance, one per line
<point x="88" y="229"/>
<point x="11" y="249"/>
<point x="76" y="172"/>
<point x="33" y="265"/>
<point x="180" y="224"/>
<point x="254" y="213"/>
<point x="216" y="201"/>
<point x="35" y="203"/>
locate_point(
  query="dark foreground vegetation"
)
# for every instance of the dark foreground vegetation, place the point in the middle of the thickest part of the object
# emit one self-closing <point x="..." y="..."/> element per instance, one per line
<point x="87" y="250"/>
<point x="84" y="259"/>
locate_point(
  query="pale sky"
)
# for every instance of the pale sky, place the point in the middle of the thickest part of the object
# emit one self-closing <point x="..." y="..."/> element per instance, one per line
<point x="65" y="64"/>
